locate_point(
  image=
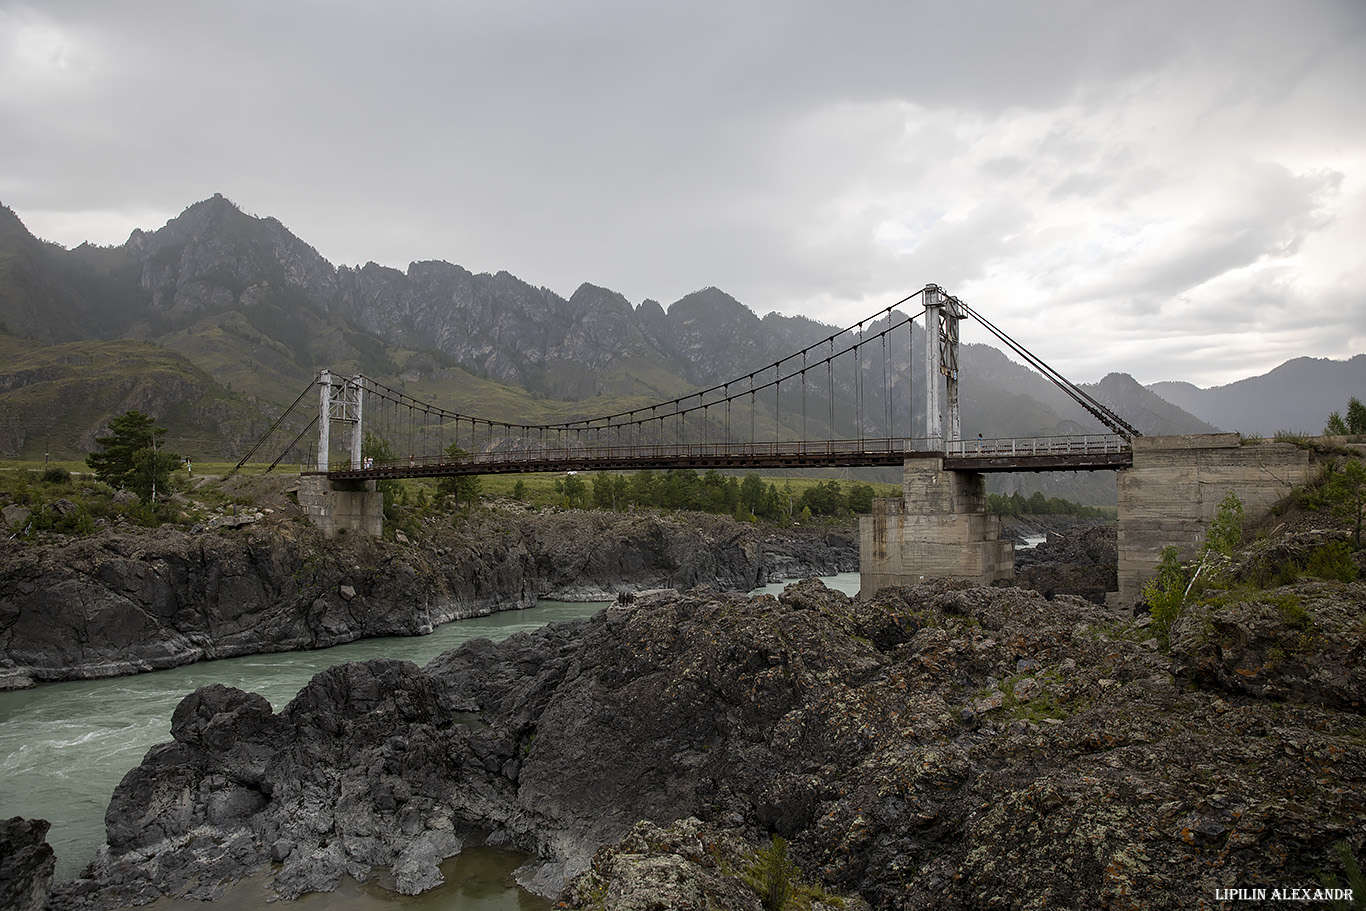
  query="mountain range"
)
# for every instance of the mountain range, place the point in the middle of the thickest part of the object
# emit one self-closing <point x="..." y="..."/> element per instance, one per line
<point x="1296" y="396"/>
<point x="217" y="320"/>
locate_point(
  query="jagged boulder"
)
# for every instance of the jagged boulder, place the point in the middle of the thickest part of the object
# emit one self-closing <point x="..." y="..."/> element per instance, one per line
<point x="26" y="864"/>
<point x="1081" y="560"/>
<point x="1303" y="642"/>
<point x="692" y="866"/>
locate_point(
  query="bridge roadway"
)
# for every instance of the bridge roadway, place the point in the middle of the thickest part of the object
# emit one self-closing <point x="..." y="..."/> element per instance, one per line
<point x="1096" y="452"/>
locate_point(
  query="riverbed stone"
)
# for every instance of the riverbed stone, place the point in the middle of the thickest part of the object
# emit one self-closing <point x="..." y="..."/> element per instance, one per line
<point x="417" y="869"/>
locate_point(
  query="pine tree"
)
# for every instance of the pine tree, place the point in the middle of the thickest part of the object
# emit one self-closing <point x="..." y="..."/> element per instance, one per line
<point x="133" y="456"/>
<point x="464" y="488"/>
<point x="1356" y="416"/>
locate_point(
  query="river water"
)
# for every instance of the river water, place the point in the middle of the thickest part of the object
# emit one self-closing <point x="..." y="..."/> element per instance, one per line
<point x="65" y="746"/>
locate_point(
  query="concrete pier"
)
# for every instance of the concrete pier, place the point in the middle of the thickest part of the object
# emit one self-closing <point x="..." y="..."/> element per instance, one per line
<point x="337" y="506"/>
<point x="939" y="527"/>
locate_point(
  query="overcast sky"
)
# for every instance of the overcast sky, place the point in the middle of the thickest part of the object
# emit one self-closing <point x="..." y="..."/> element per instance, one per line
<point x="1175" y="190"/>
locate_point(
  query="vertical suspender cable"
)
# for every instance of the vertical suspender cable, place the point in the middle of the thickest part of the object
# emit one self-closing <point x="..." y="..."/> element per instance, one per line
<point x="726" y="392"/>
<point x="886" y="385"/>
<point x="752" y="406"/>
<point x="858" y="384"/>
<point x="830" y="383"/>
<point x="777" y="409"/>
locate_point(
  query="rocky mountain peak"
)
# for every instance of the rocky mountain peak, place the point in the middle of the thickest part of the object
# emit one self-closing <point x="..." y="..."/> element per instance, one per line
<point x="1146" y="411"/>
<point x="710" y="303"/>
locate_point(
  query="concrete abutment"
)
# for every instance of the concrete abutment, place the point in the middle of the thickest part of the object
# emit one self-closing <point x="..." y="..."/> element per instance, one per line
<point x="1172" y="493"/>
<point x="337" y="506"/>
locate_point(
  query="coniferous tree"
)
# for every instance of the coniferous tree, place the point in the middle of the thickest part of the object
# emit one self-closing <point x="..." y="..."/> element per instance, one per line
<point x="1356" y="416"/>
<point x="463" y="488"/>
<point x="133" y="456"/>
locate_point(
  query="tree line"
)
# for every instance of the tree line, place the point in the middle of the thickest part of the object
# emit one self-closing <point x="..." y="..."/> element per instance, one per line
<point x="749" y="497"/>
<point x="1354" y="423"/>
<point x="1036" y="504"/>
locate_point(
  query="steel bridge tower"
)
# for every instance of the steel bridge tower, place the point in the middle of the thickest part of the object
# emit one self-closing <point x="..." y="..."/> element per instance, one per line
<point x="342" y="404"/>
<point x="942" y="315"/>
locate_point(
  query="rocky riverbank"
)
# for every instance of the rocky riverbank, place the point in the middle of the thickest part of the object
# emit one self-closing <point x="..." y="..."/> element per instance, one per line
<point x="1077" y="559"/>
<point x="127" y="600"/>
<point x="1020" y="528"/>
<point x="939" y="746"/>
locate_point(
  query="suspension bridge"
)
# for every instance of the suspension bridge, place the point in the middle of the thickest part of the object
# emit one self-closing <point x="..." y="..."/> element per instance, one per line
<point x="879" y="392"/>
<point x="871" y="394"/>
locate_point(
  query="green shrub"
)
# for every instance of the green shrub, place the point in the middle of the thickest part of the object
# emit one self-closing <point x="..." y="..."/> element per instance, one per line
<point x="1292" y="612"/>
<point x="1355" y="881"/>
<point x="1226" y="531"/>
<point x="1297" y="437"/>
<point x="1165" y="592"/>
<point x="1332" y="561"/>
<point x="80" y="522"/>
<point x="1344" y="491"/>
<point x="56" y="475"/>
<point x="774" y="875"/>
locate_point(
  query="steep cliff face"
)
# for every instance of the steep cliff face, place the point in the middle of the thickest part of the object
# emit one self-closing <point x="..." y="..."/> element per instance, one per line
<point x="937" y="747"/>
<point x="129" y="601"/>
<point x="26" y="864"/>
<point x="212" y="255"/>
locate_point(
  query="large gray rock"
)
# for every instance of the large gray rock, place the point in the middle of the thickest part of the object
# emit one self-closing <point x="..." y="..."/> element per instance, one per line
<point x="26" y="864"/>
<point x="15" y="516"/>
<point x="1079" y="559"/>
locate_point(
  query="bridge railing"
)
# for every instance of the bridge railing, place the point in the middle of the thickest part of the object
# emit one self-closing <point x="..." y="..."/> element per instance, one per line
<point x="1093" y="444"/>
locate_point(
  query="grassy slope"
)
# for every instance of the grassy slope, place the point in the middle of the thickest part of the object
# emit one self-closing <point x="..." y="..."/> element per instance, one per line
<point x="58" y="396"/>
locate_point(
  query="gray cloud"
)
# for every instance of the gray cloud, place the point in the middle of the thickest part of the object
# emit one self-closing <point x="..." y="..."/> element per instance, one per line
<point x="1164" y="174"/>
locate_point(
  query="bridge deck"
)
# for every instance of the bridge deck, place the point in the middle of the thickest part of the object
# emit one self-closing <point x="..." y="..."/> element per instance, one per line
<point x="1069" y="453"/>
<point x="1072" y="453"/>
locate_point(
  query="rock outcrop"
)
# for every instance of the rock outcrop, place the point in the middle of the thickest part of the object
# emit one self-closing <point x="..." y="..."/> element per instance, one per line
<point x="26" y="864"/>
<point x="125" y="601"/>
<point x="693" y="864"/>
<point x="1079" y="559"/>
<point x="938" y="747"/>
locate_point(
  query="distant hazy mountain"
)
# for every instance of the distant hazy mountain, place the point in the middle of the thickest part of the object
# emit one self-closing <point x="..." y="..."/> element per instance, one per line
<point x="1298" y="396"/>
